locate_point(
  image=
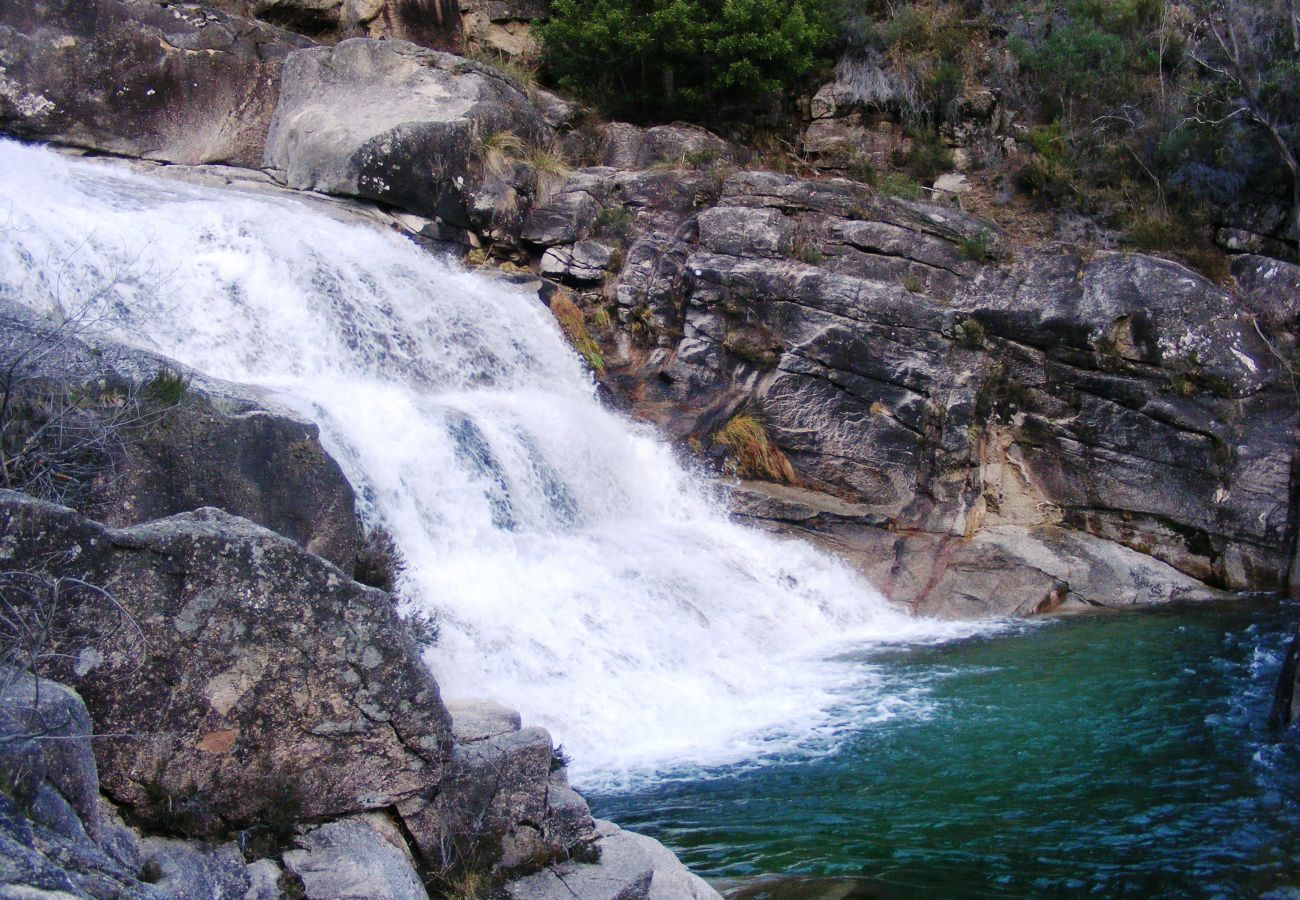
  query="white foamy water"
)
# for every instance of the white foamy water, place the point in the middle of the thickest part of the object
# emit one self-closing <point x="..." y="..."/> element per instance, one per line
<point x="581" y="574"/>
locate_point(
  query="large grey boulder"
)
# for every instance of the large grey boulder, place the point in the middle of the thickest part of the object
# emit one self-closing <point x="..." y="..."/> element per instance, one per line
<point x="357" y="858"/>
<point x="503" y="804"/>
<point x="171" y="81"/>
<point x="230" y="670"/>
<point x="221" y="445"/>
<point x="394" y="122"/>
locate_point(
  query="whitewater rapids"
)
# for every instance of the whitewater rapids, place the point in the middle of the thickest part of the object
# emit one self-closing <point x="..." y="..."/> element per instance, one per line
<point x="580" y="572"/>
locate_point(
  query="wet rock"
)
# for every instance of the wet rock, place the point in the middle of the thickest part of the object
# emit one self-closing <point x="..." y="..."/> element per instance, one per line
<point x="476" y="720"/>
<point x="232" y="670"/>
<point x="1284" y="711"/>
<point x="177" y="82"/>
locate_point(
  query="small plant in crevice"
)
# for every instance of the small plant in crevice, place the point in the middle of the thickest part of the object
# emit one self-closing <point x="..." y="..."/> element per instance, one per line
<point x="970" y="333"/>
<point x="550" y="168"/>
<point x="751" y="452"/>
<point x="751" y="346"/>
<point x="518" y="68"/>
<point x="978" y="248"/>
<point x="614" y="221"/>
<point x="913" y="284"/>
<point x="290" y="885"/>
<point x="424" y="628"/>
<point x="276" y="818"/>
<point x="574" y="325"/>
<point x="498" y="151"/>
<point x="379" y="562"/>
<point x="184" y="812"/>
<point x="167" y="387"/>
<point x="151" y="871"/>
<point x="559" y="758"/>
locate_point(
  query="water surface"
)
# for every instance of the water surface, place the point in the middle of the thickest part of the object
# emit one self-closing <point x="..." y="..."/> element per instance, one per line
<point x="1118" y="754"/>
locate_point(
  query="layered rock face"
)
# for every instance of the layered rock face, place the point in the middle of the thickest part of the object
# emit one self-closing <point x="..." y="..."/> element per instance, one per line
<point x="980" y="435"/>
<point x="980" y="431"/>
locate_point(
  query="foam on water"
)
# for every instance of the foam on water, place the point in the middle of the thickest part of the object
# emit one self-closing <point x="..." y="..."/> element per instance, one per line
<point x="580" y="572"/>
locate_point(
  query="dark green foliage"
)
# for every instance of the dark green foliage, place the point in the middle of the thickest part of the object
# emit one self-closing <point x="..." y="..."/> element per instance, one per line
<point x="970" y="333"/>
<point x="184" y="812"/>
<point x="977" y="248"/>
<point x="167" y="387"/>
<point x="927" y="158"/>
<point x="423" y="627"/>
<point x="151" y="872"/>
<point x="559" y="758"/>
<point x="682" y="58"/>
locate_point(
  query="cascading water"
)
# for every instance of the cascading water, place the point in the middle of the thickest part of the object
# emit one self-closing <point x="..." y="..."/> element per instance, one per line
<point x="580" y="573"/>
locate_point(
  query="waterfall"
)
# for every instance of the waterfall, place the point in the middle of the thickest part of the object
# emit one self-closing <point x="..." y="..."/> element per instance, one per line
<point x="581" y="573"/>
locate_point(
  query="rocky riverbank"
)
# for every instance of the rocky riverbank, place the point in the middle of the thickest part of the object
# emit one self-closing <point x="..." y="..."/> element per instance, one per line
<point x="981" y="427"/>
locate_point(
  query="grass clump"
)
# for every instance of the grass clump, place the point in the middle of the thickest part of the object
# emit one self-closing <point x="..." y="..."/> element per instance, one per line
<point x="751" y="452"/>
<point x="167" y="387"/>
<point x="574" y="324"/>
<point x="513" y="67"/>
<point x="971" y="333"/>
<point x="498" y="151"/>
<point x="896" y="184"/>
<point x="978" y="248"/>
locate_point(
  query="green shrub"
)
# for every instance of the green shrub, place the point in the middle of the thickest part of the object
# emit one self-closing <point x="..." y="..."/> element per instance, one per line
<point x="978" y="248"/>
<point x="167" y="387"/>
<point x="896" y="184"/>
<point x="682" y="58"/>
<point x="927" y="158"/>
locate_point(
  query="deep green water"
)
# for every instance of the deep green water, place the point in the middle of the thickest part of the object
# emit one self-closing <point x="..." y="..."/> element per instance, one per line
<point x="1117" y="754"/>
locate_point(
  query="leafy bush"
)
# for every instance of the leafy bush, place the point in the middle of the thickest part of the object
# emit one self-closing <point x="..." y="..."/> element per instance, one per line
<point x="926" y="158"/>
<point x="682" y="58"/>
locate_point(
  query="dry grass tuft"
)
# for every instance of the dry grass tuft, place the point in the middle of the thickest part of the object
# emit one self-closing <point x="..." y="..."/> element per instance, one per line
<point x="573" y="322"/>
<point x="751" y="452"/>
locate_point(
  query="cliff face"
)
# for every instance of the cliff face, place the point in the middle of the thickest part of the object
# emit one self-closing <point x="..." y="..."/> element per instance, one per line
<point x="983" y="427"/>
